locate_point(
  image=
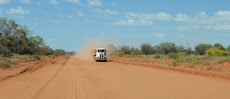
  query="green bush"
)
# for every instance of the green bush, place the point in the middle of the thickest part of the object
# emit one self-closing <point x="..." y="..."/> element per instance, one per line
<point x="173" y="55"/>
<point x="136" y="52"/>
<point x="120" y="54"/>
<point x="37" y="57"/>
<point x="176" y="62"/>
<point x="223" y="60"/>
<point x="157" y="56"/>
<point x="216" y="52"/>
<point x="168" y="47"/>
<point x="181" y="53"/>
<point x="6" y="52"/>
<point x="125" y="48"/>
<point x="228" y="49"/>
<point x="219" y="46"/>
<point x="202" y="48"/>
<point x="59" y="52"/>
<point x="147" y="49"/>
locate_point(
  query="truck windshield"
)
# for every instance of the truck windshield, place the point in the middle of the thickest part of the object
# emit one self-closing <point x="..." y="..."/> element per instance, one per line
<point x="101" y="50"/>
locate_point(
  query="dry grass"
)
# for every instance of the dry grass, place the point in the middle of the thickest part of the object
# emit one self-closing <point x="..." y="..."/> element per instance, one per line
<point x="6" y="62"/>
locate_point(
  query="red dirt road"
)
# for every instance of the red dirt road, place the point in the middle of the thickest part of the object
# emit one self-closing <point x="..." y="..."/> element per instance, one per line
<point x="71" y="78"/>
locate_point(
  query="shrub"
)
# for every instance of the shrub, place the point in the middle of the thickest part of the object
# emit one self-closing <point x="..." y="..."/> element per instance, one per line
<point x="36" y="57"/>
<point x="223" y="60"/>
<point x="228" y="49"/>
<point x="147" y="49"/>
<point x="136" y="52"/>
<point x="173" y="55"/>
<point x="191" y="65"/>
<point x="120" y="54"/>
<point x="188" y="51"/>
<point x="6" y="52"/>
<point x="126" y="49"/>
<point x="216" y="52"/>
<point x="181" y="53"/>
<point x="197" y="62"/>
<point x="5" y="64"/>
<point x="211" y="67"/>
<point x="176" y="62"/>
<point x="168" y="47"/>
<point x="157" y="56"/>
<point x="180" y="48"/>
<point x="202" y="48"/>
<point x="219" y="46"/>
<point x="59" y="52"/>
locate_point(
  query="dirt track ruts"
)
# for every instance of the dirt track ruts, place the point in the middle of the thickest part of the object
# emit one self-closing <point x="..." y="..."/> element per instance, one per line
<point x="71" y="78"/>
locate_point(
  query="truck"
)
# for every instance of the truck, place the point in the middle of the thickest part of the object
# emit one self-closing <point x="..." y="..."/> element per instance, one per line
<point x="99" y="54"/>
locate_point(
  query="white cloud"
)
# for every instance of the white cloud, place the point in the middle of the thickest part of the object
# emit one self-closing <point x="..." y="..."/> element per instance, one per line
<point x="159" y="35"/>
<point x="156" y="16"/>
<point x="5" y="1"/>
<point x="114" y="4"/>
<point x="53" y="2"/>
<point x="223" y="13"/>
<point x="74" y="1"/>
<point x="79" y="12"/>
<point x="133" y="22"/>
<point x="56" y="21"/>
<point x="205" y="27"/>
<point x="195" y="27"/>
<point x="94" y="2"/>
<point x="219" y="21"/>
<point x="218" y="27"/>
<point x="107" y="12"/>
<point x="203" y="15"/>
<point x="26" y="1"/>
<point x="18" y="10"/>
<point x="181" y="17"/>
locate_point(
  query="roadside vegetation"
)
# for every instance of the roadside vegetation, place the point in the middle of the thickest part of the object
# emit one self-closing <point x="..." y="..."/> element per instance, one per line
<point x="206" y="55"/>
<point x="18" y="44"/>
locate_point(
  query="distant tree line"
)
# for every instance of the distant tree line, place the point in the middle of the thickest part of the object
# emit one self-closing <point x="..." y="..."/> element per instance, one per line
<point x="167" y="48"/>
<point x="17" y="39"/>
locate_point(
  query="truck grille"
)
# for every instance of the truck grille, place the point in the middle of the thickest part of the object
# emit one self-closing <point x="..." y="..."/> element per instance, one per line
<point x="101" y="56"/>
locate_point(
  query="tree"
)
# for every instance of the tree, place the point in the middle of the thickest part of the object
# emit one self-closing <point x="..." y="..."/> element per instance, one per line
<point x="202" y="48"/>
<point x="180" y="48"/>
<point x="34" y="45"/>
<point x="13" y="35"/>
<point x="136" y="52"/>
<point x="228" y="49"/>
<point x="146" y="49"/>
<point x="126" y="49"/>
<point x="157" y="49"/>
<point x="46" y="50"/>
<point x="168" y="47"/>
<point x="188" y="51"/>
<point x="59" y="52"/>
<point x="15" y="39"/>
<point x="219" y="46"/>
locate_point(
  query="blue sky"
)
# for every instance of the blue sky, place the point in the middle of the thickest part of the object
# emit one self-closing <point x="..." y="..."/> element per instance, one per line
<point x="69" y="24"/>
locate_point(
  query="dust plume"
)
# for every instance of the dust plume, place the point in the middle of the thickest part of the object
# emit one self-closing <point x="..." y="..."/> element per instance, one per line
<point x="85" y="52"/>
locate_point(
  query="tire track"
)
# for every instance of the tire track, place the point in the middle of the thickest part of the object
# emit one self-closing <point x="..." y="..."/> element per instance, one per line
<point x="49" y="81"/>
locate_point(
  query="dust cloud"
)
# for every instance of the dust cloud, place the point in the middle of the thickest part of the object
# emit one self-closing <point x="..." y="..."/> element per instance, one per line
<point x="85" y="52"/>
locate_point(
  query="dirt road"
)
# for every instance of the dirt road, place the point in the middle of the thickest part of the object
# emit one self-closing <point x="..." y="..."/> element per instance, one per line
<point x="71" y="78"/>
